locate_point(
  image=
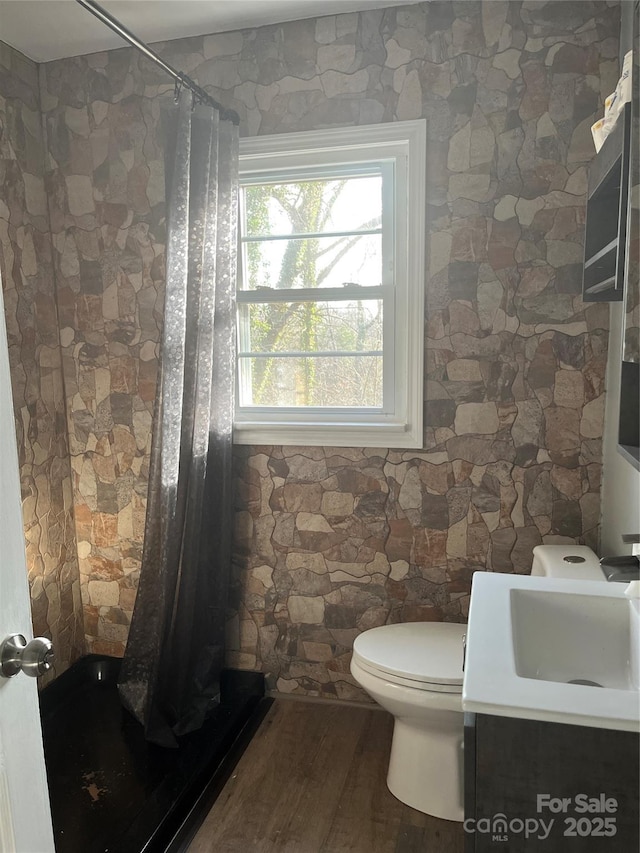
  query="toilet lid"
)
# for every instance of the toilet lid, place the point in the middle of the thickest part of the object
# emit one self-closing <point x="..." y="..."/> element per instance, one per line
<point x="426" y="652"/>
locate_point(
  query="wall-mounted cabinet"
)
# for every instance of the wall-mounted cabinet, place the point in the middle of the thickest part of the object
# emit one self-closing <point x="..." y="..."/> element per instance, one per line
<point x="629" y="423"/>
<point x="606" y="233"/>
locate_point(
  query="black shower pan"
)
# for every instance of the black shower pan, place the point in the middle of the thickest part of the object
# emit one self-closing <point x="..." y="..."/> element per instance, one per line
<point x="110" y="790"/>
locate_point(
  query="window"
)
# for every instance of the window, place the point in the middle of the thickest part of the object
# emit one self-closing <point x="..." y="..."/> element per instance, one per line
<point x="331" y="287"/>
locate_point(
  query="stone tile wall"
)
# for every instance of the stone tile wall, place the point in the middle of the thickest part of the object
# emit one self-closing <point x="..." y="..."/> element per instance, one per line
<point x="36" y="369"/>
<point x="332" y="541"/>
<point x="106" y="192"/>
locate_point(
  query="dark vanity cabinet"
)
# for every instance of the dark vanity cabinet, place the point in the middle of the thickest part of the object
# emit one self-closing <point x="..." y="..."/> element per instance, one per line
<point x="539" y="787"/>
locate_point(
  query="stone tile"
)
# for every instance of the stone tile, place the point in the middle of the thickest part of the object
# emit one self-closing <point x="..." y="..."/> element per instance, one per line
<point x="35" y="358"/>
<point x="306" y="609"/>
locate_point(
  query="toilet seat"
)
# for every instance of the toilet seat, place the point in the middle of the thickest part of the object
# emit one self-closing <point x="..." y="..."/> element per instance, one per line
<point x="423" y="655"/>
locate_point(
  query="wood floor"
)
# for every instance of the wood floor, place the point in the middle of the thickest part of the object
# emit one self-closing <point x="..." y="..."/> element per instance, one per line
<point x="312" y="780"/>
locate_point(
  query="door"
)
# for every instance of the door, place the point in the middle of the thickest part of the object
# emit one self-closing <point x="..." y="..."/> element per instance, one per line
<point x="25" y="817"/>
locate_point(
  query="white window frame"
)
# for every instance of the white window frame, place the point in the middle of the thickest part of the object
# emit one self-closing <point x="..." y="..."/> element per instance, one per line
<point x="400" y="146"/>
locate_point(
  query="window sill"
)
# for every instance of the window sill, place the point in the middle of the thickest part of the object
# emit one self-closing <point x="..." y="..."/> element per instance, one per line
<point x="333" y="435"/>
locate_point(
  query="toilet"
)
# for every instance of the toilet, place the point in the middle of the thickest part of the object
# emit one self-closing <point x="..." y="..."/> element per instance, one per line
<point x="414" y="671"/>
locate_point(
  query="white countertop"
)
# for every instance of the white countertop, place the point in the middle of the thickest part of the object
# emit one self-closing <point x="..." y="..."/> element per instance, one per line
<point x="492" y="684"/>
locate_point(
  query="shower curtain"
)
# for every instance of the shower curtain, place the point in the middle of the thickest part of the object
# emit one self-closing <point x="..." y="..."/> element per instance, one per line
<point x="170" y="677"/>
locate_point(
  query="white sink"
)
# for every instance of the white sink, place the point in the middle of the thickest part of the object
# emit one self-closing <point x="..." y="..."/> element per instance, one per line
<point x="568" y="638"/>
<point x="553" y="649"/>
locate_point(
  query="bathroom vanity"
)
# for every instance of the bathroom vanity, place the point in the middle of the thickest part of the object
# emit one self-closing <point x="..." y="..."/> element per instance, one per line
<point x="551" y="697"/>
<point x="544" y="787"/>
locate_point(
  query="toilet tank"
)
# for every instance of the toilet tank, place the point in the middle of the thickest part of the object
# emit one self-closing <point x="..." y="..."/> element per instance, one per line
<point x="566" y="561"/>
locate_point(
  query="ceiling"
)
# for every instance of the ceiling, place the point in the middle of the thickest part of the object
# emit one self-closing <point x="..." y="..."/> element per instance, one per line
<point x="53" y="29"/>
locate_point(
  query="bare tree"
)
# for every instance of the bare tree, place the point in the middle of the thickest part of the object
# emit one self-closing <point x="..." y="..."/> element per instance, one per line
<point x="306" y="207"/>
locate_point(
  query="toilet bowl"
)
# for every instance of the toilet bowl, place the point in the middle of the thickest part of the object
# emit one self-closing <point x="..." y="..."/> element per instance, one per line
<point x="414" y="671"/>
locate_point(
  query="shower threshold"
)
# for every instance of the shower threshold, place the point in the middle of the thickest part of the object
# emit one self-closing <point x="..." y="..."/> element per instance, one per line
<point x="110" y="790"/>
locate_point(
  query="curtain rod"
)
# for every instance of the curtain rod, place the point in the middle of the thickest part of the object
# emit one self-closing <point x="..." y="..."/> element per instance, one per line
<point x="114" y="24"/>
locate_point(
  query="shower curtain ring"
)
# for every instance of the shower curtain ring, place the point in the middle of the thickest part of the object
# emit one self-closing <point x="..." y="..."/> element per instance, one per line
<point x="177" y="89"/>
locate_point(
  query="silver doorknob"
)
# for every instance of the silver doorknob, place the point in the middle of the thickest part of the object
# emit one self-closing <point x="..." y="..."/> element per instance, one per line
<point x="33" y="658"/>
